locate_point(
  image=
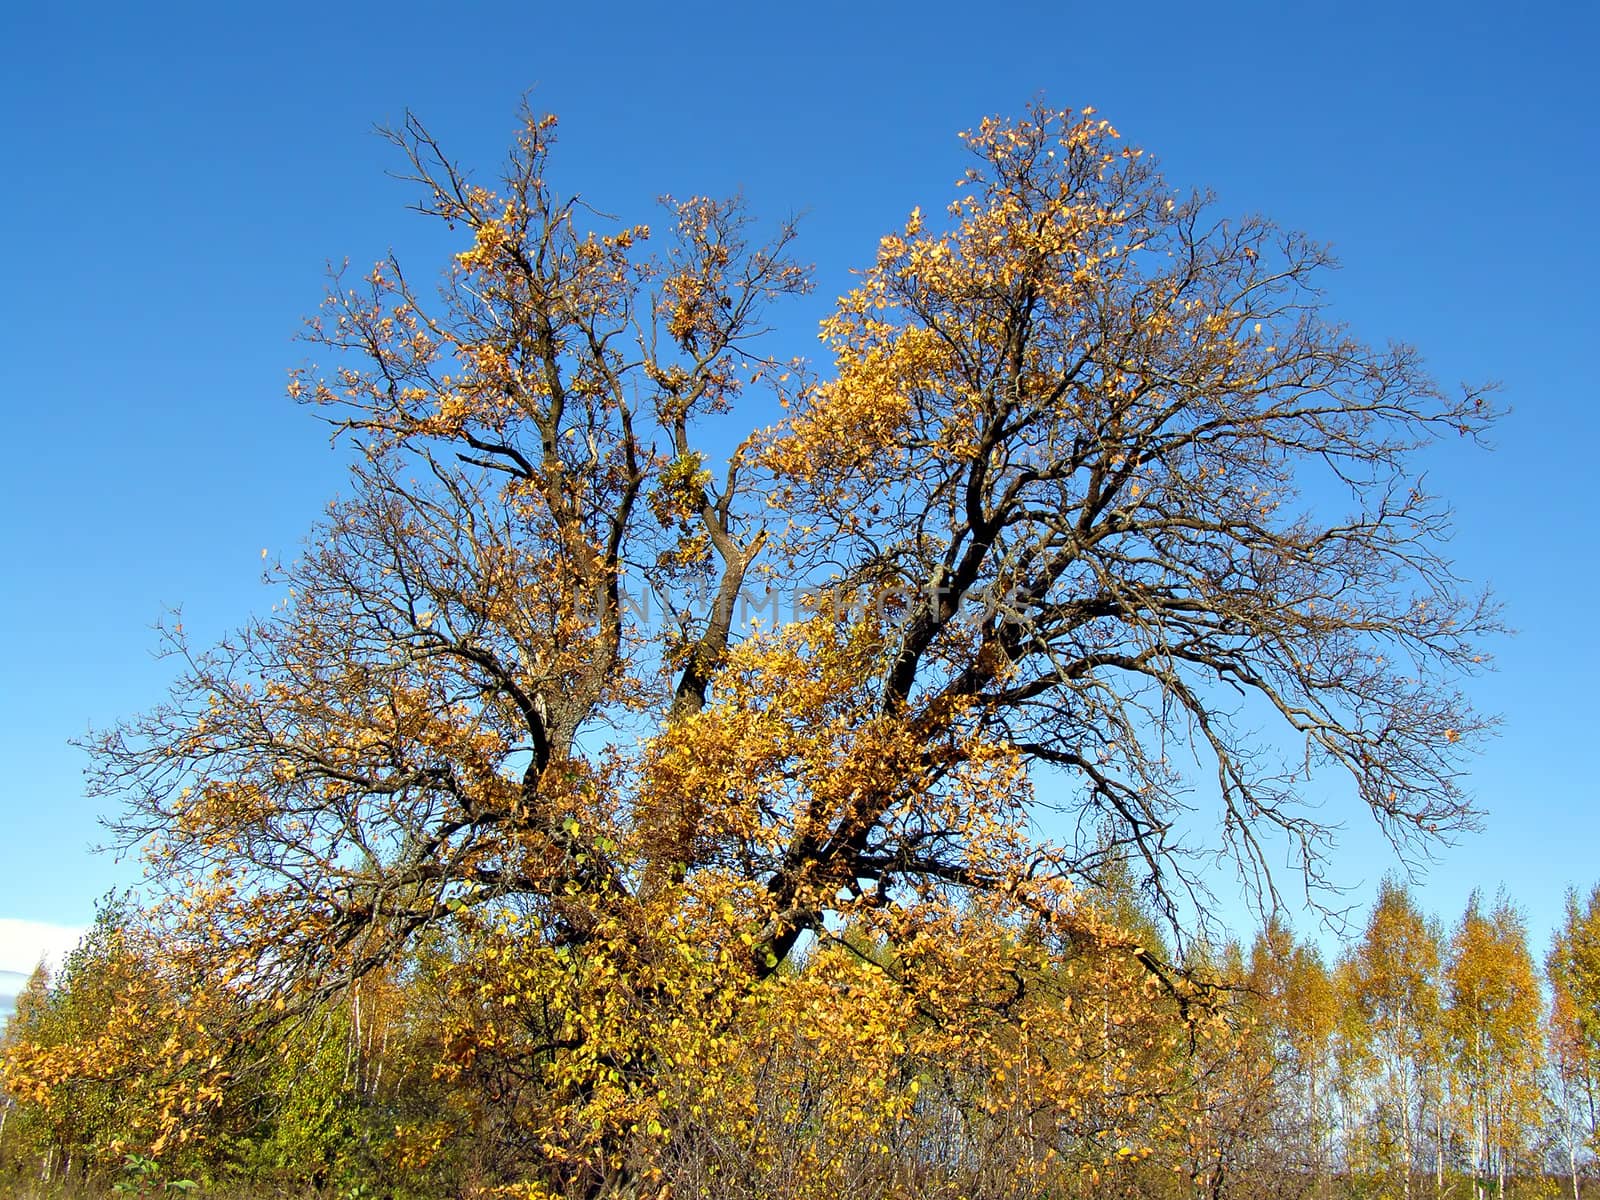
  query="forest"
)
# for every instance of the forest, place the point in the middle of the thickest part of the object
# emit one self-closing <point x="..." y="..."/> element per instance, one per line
<point x="677" y="767"/>
<point x="1423" y="1060"/>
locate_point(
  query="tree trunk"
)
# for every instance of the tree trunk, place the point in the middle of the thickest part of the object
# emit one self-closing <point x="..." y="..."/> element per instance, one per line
<point x="1438" y="1144"/>
<point x="1407" y="1135"/>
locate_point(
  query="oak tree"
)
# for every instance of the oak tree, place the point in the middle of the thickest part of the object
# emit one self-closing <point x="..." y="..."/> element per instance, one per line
<point x="1089" y="489"/>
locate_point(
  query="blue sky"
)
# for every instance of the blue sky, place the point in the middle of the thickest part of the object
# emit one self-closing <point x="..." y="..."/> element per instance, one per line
<point x="178" y="177"/>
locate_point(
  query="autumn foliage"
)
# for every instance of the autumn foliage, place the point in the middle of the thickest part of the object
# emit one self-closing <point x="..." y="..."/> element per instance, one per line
<point x="725" y="775"/>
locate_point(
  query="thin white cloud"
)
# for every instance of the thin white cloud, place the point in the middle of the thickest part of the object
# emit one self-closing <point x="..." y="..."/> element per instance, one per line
<point x="24" y="943"/>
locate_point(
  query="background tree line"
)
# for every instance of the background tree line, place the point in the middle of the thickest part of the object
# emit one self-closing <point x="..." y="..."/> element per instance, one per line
<point x="1424" y="1060"/>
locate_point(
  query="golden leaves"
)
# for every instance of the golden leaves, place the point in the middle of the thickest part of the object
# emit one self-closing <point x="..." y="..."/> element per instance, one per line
<point x="490" y="239"/>
<point x="124" y="1012"/>
<point x="930" y="320"/>
<point x="680" y="489"/>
